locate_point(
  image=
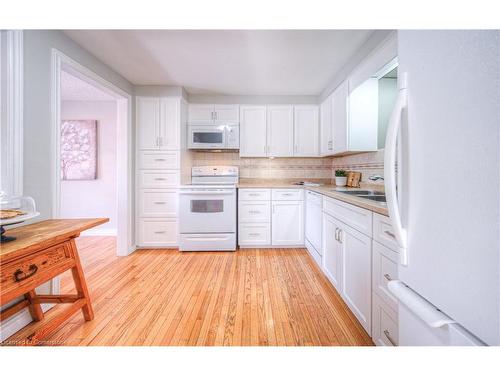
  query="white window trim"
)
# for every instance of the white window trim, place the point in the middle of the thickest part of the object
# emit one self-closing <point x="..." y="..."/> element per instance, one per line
<point x="14" y="111"/>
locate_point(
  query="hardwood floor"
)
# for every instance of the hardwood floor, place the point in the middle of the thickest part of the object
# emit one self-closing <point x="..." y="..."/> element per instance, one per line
<point x="164" y="297"/>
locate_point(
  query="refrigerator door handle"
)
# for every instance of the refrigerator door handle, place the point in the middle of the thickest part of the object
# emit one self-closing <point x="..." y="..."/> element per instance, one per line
<point x="419" y="305"/>
<point x="390" y="169"/>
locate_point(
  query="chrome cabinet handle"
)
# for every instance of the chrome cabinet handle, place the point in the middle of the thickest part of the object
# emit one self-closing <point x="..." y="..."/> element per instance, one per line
<point x="286" y="194"/>
<point x="160" y="202"/>
<point x="253" y="194"/>
<point x="340" y="235"/>
<point x="160" y="179"/>
<point x="254" y="212"/>
<point x="388" y="335"/>
<point x="160" y="232"/>
<point x="253" y="234"/>
<point x="387" y="276"/>
<point x="390" y="234"/>
<point x="336" y="234"/>
<point x="160" y="160"/>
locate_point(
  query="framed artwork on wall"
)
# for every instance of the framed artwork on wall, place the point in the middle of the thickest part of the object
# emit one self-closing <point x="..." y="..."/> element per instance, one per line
<point x="79" y="149"/>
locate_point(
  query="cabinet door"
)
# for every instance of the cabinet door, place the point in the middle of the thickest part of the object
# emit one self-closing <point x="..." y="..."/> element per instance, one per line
<point x="332" y="252"/>
<point x="148" y="120"/>
<point x="287" y="223"/>
<point x="201" y="113"/>
<point x="280" y="130"/>
<point x="170" y="124"/>
<point x="339" y="118"/>
<point x="253" y="131"/>
<point x="227" y="113"/>
<point x="325" y="134"/>
<point x="356" y="274"/>
<point x="306" y="130"/>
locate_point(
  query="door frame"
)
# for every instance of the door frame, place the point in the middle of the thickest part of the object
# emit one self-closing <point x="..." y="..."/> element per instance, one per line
<point x="125" y="242"/>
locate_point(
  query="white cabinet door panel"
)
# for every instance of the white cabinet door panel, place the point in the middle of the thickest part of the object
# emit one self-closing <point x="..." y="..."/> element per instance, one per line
<point x="280" y="130"/>
<point x="288" y="223"/>
<point x="159" y="204"/>
<point x="253" y="131"/>
<point x="170" y="124"/>
<point x="306" y="130"/>
<point x="227" y="113"/>
<point x="332" y="252"/>
<point x="201" y="113"/>
<point x="339" y="118"/>
<point x="356" y="274"/>
<point x="155" y="232"/>
<point x="326" y="139"/>
<point x="147" y="122"/>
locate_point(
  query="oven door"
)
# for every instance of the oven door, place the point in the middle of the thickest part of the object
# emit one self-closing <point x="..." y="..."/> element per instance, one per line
<point x="206" y="137"/>
<point x="207" y="210"/>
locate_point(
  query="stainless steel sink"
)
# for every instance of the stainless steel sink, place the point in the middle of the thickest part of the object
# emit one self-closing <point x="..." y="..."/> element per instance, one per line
<point x="360" y="192"/>
<point x="377" y="198"/>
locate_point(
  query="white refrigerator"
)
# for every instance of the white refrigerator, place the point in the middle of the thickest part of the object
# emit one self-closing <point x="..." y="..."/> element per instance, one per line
<point x="444" y="191"/>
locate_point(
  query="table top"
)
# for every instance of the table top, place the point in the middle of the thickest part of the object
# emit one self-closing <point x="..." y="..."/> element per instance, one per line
<point x="34" y="237"/>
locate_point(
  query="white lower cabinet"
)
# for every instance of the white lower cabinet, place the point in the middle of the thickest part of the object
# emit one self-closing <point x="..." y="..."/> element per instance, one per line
<point x="270" y="217"/>
<point x="356" y="273"/>
<point x="287" y="223"/>
<point x="385" y="323"/>
<point x="332" y="251"/>
<point x="157" y="232"/>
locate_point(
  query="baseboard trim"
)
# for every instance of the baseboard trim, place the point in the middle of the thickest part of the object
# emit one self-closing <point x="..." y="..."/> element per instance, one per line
<point x="99" y="232"/>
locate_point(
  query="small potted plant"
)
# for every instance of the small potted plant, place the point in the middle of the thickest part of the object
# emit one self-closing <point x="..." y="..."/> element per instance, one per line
<point x="340" y="177"/>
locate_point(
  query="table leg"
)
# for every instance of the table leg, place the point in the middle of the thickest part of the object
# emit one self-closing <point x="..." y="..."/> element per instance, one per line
<point x="81" y="284"/>
<point x="34" y="307"/>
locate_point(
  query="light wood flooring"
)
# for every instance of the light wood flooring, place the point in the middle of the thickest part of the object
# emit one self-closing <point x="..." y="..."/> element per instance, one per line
<point x="164" y="297"/>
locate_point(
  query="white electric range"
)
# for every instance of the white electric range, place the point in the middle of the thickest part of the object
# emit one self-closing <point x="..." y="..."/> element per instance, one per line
<point x="207" y="211"/>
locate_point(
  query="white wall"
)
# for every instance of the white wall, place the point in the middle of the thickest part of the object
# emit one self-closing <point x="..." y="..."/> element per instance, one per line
<point x="94" y="198"/>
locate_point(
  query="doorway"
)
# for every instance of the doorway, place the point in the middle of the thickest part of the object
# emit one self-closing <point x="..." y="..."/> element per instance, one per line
<point x="104" y="112"/>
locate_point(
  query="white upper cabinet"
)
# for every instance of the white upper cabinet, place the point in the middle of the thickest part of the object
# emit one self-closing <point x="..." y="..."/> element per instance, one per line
<point x="201" y="113"/>
<point x="326" y="131"/>
<point x="148" y="122"/>
<point x="306" y="130"/>
<point x="170" y="137"/>
<point x="253" y="131"/>
<point x="213" y="113"/>
<point x="158" y="123"/>
<point x="227" y="113"/>
<point x="339" y="118"/>
<point x="280" y="130"/>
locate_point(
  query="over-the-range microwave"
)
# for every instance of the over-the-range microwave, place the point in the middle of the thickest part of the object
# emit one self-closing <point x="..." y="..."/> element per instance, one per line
<point x="210" y="136"/>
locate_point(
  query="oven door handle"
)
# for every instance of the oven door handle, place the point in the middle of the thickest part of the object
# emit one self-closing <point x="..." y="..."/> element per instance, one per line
<point x="206" y="192"/>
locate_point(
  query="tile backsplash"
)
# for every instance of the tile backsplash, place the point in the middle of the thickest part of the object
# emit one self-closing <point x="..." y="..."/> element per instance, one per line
<point x="295" y="168"/>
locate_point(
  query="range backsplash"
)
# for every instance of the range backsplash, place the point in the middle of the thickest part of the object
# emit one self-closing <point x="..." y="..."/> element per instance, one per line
<point x="368" y="163"/>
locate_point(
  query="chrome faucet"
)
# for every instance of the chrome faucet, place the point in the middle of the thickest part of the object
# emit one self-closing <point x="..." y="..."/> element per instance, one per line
<point x="375" y="177"/>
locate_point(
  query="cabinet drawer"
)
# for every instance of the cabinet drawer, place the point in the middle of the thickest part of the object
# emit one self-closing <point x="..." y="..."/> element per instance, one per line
<point x="153" y="203"/>
<point x="157" y="232"/>
<point x="383" y="232"/>
<point x="158" y="180"/>
<point x="288" y="194"/>
<point x="356" y="217"/>
<point x="385" y="268"/>
<point x="254" y="194"/>
<point x="254" y="212"/>
<point x="385" y="324"/>
<point x="30" y="271"/>
<point x="159" y="160"/>
<point x="254" y="234"/>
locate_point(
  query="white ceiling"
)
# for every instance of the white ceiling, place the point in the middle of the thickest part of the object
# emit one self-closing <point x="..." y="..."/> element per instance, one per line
<point x="229" y="62"/>
<point x="73" y="88"/>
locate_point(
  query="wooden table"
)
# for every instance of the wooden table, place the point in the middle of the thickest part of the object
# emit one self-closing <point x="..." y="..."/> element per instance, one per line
<point x="41" y="252"/>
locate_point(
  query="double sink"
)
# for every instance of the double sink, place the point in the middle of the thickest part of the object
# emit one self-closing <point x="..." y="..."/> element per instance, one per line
<point x="365" y="194"/>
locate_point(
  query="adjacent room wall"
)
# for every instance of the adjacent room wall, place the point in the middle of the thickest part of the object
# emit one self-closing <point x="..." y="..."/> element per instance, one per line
<point x="38" y="46"/>
<point x="94" y="198"/>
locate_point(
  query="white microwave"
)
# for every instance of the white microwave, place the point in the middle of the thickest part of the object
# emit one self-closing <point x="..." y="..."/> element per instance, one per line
<point x="212" y="136"/>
